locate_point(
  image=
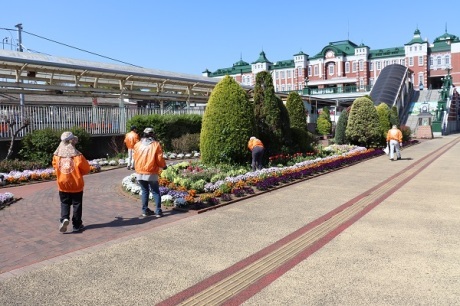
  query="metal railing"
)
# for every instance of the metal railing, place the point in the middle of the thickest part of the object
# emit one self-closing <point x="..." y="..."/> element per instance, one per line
<point x="337" y="90"/>
<point x="95" y="120"/>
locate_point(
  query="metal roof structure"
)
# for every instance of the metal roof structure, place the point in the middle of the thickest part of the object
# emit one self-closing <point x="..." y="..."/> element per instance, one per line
<point x="28" y="73"/>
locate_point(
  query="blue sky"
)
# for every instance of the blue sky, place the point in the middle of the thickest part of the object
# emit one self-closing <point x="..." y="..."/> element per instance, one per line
<point x="191" y="36"/>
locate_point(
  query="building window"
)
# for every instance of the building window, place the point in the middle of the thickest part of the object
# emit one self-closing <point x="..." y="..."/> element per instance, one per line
<point x="371" y="66"/>
<point x="378" y="65"/>
<point x="299" y="71"/>
<point x="361" y="65"/>
<point x="371" y="82"/>
<point x="447" y="60"/>
<point x="353" y="67"/>
<point x="411" y="61"/>
<point x="420" y="48"/>
<point x="282" y="74"/>
<point x="316" y="72"/>
<point x="309" y="70"/>
<point x="347" y="67"/>
<point x="403" y="62"/>
<point x="438" y="61"/>
<point x="420" y="60"/>
<point x="331" y="69"/>
<point x="420" y="78"/>
<point x="410" y="49"/>
<point x="289" y="73"/>
<point x="431" y="61"/>
<point x="277" y="74"/>
<point x="282" y="88"/>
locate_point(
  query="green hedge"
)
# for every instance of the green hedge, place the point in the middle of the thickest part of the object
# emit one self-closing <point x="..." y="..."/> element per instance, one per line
<point x="167" y="127"/>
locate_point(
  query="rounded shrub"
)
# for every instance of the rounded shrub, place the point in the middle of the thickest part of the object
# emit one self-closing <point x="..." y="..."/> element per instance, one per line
<point x="323" y="123"/>
<point x="363" y="126"/>
<point x="39" y="146"/>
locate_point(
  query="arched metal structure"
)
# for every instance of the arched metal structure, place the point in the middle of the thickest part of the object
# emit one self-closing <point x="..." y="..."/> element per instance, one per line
<point x="393" y="86"/>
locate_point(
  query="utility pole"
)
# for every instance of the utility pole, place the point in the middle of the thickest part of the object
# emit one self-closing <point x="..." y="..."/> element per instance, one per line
<point x="19" y="26"/>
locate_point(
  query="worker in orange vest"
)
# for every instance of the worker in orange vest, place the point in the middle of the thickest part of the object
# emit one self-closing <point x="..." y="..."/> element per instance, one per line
<point x="257" y="148"/>
<point x="131" y="138"/>
<point x="149" y="161"/>
<point x="394" y="138"/>
<point x="70" y="166"/>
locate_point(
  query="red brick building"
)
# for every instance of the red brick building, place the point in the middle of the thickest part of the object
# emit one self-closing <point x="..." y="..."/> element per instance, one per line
<point x="344" y="66"/>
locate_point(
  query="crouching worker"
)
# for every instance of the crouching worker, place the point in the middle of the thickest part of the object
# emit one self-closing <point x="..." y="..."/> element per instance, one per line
<point x="257" y="148"/>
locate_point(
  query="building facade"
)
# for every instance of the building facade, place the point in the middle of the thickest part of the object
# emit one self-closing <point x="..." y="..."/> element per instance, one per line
<point x="344" y="66"/>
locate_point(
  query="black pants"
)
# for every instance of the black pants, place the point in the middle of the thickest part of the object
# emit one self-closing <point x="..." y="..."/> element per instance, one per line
<point x="69" y="199"/>
<point x="257" y="155"/>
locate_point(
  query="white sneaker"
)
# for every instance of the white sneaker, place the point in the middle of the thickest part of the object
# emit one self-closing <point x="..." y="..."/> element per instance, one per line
<point x="63" y="227"/>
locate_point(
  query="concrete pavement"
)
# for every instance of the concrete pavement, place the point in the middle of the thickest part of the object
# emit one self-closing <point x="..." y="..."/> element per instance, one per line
<point x="376" y="233"/>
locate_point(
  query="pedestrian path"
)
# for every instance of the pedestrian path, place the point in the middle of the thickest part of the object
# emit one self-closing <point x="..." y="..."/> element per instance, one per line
<point x="31" y="224"/>
<point x="376" y="233"/>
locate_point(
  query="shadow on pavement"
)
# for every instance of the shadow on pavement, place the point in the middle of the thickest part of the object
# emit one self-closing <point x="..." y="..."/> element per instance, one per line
<point x="120" y="221"/>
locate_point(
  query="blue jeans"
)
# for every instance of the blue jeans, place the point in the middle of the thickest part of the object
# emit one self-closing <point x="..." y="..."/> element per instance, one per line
<point x="257" y="155"/>
<point x="146" y="187"/>
<point x="394" y="146"/>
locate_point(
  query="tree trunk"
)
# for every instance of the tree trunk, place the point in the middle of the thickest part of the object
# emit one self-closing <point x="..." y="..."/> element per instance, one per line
<point x="13" y="136"/>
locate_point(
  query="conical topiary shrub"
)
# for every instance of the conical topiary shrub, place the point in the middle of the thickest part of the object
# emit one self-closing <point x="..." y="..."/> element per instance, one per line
<point x="271" y="116"/>
<point x="228" y="123"/>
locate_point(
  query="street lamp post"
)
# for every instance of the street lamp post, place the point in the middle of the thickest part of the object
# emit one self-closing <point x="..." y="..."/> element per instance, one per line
<point x="306" y="85"/>
<point x="3" y="41"/>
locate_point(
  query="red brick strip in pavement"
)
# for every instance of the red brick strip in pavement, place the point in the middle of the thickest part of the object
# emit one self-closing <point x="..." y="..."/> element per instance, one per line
<point x="30" y="227"/>
<point x="238" y="283"/>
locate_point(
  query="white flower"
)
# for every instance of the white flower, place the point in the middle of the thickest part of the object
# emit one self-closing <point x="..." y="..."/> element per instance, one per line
<point x="179" y="202"/>
<point x="180" y="155"/>
<point x="166" y="198"/>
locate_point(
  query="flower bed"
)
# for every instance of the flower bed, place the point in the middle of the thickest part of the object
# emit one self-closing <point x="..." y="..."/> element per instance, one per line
<point x="238" y="183"/>
<point x="6" y="199"/>
<point x="39" y="175"/>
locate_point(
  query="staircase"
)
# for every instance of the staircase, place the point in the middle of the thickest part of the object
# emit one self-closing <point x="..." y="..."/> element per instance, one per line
<point x="423" y="96"/>
<point x="454" y="106"/>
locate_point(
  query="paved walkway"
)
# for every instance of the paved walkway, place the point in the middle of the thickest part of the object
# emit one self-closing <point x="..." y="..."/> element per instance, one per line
<point x="376" y="233"/>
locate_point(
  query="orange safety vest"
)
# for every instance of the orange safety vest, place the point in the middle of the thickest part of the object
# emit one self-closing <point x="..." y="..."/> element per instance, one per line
<point x="255" y="143"/>
<point x="70" y="171"/>
<point x="148" y="158"/>
<point x="131" y="139"/>
<point x="394" y="134"/>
